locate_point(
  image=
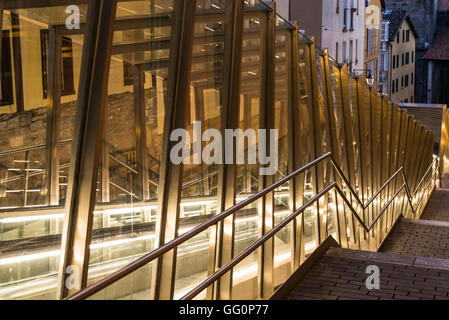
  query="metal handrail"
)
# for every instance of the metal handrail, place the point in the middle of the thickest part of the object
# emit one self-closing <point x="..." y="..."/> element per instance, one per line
<point x="197" y="230"/>
<point x="245" y="253"/>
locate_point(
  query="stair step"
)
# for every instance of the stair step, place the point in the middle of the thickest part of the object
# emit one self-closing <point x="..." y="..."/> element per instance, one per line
<point x="419" y="238"/>
<point x="438" y="206"/>
<point x="341" y="274"/>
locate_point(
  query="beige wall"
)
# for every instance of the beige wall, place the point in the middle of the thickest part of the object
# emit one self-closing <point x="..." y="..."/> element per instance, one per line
<point x="32" y="67"/>
<point x="398" y="49"/>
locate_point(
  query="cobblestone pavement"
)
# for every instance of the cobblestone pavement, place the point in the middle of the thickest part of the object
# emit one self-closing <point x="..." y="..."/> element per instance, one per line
<point x="438" y="206"/>
<point x="419" y="238"/>
<point x="340" y="274"/>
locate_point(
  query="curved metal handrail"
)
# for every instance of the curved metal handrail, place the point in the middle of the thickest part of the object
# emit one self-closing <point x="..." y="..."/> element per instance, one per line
<point x="220" y="217"/>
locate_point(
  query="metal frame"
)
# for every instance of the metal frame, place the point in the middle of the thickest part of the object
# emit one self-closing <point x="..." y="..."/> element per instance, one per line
<point x="170" y="178"/>
<point x="265" y="205"/>
<point x="229" y="120"/>
<point x="86" y="147"/>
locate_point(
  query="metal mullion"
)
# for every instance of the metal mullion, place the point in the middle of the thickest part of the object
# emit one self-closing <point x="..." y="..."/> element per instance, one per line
<point x="1" y="36"/>
<point x="308" y="153"/>
<point x="409" y="144"/>
<point x="416" y="156"/>
<point x="349" y="150"/>
<point x="389" y="154"/>
<point x="375" y="161"/>
<point x="53" y="112"/>
<point x="17" y="61"/>
<point x="395" y="132"/>
<point x="361" y="108"/>
<point x="319" y="170"/>
<point x="170" y="180"/>
<point x="105" y="187"/>
<point x="141" y="133"/>
<point x="333" y="136"/>
<point x="384" y="158"/>
<point x="295" y="147"/>
<point x="224" y="241"/>
<point x="419" y="158"/>
<point x="402" y="148"/>
<point x="265" y="205"/>
<point x="86" y="148"/>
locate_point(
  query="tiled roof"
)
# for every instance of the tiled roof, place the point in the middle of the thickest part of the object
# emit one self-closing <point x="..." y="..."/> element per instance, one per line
<point x="443" y="5"/>
<point x="396" y="18"/>
<point x="440" y="49"/>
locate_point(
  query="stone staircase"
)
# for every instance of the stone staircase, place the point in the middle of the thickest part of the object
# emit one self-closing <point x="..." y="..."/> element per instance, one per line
<point x="413" y="264"/>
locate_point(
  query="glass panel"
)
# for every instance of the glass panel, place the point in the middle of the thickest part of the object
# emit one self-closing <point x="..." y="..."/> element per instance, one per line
<point x="282" y="240"/>
<point x="200" y="175"/>
<point x="127" y="192"/>
<point x="33" y="172"/>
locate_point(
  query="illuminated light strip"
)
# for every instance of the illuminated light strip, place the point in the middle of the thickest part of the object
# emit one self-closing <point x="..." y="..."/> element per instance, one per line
<point x="198" y="203"/>
<point x="29" y="257"/>
<point x="32" y="218"/>
<point x="121" y="241"/>
<point x="47" y="254"/>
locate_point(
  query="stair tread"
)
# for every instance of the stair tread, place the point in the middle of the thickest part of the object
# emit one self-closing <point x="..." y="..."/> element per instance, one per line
<point x="341" y="274"/>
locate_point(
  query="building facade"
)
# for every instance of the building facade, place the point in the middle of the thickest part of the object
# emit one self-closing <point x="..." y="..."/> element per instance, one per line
<point x="401" y="51"/>
<point x="336" y="25"/>
<point x="373" y="21"/>
<point x="437" y="59"/>
<point x="423" y="13"/>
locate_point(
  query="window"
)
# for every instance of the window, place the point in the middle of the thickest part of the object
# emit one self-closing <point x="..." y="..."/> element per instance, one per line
<point x="344" y="52"/>
<point x="406" y="100"/>
<point x="356" y="51"/>
<point x="397" y="38"/>
<point x="351" y="50"/>
<point x="384" y="31"/>
<point x="406" y="80"/>
<point x="67" y="86"/>
<point x="369" y="39"/>
<point x="338" y="6"/>
<point x="407" y="58"/>
<point x="412" y="78"/>
<point x="411" y="99"/>
<point x="393" y="63"/>
<point x="6" y="87"/>
<point x="413" y="56"/>
<point x="397" y="85"/>
<point x="392" y="86"/>
<point x="345" y="15"/>
<point x="403" y="59"/>
<point x="336" y="51"/>
<point x="408" y="35"/>
<point x="127" y="73"/>
<point x="403" y="35"/>
<point x="352" y="14"/>
<point x="402" y="82"/>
